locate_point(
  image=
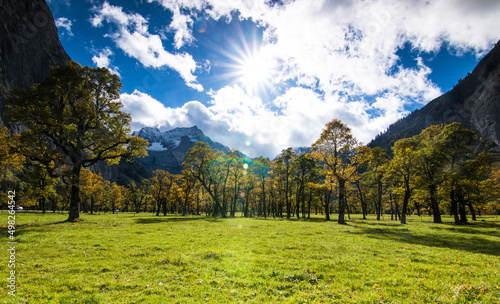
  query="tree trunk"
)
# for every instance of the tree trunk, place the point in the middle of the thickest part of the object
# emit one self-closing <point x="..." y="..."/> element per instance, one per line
<point x="461" y="210"/>
<point x="341" y="219"/>
<point x="54" y="205"/>
<point x="398" y="212"/>
<point x="288" y="205"/>
<point x="309" y="205"/>
<point x="224" y="196"/>
<point x="303" y="206"/>
<point x="326" y="203"/>
<point x="406" y="199"/>
<point x="74" y="205"/>
<point x="417" y="207"/>
<point x="435" y="206"/>
<point x="42" y="204"/>
<point x="392" y="206"/>
<point x="348" y="208"/>
<point x="264" y="198"/>
<point x="361" y="199"/>
<point x="325" y="200"/>
<point x="379" y="199"/>
<point x="454" y="206"/>
<point x="472" y="211"/>
<point x="164" y="206"/>
<point x="297" y="202"/>
<point x="247" y="201"/>
<point x="158" y="207"/>
<point x="92" y="204"/>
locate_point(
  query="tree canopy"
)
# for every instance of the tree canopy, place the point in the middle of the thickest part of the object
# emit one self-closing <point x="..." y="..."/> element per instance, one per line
<point x="73" y="119"/>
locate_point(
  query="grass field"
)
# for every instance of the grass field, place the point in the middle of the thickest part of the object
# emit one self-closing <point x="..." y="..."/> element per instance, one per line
<point x="127" y="258"/>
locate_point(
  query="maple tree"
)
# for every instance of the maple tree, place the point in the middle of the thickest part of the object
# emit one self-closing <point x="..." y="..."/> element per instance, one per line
<point x="335" y="150"/>
<point x="74" y="120"/>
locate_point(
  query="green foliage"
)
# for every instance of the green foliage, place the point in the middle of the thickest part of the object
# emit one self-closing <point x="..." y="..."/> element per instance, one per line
<point x="74" y="116"/>
<point x="335" y="150"/>
<point x="74" y="120"/>
<point x="10" y="161"/>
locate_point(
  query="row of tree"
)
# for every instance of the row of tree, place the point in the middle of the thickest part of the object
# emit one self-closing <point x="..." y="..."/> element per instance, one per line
<point x="433" y="172"/>
<point x="73" y="119"/>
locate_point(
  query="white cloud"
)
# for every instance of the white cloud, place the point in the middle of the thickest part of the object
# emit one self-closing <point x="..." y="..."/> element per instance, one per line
<point x="181" y="24"/>
<point x="146" y="111"/>
<point x="351" y="45"/>
<point x="102" y="60"/>
<point x="235" y="118"/>
<point x="132" y="36"/>
<point x="64" y="23"/>
<point x="341" y="56"/>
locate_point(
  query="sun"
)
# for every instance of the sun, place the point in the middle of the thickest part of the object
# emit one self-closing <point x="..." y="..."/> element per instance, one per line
<point x="250" y="65"/>
<point x="254" y="72"/>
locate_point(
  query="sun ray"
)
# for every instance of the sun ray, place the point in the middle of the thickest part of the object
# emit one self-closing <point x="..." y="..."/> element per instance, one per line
<point x="254" y="72"/>
<point x="247" y="65"/>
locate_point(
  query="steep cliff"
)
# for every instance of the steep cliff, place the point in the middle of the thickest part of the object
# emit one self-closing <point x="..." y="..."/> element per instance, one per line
<point x="474" y="102"/>
<point x="29" y="44"/>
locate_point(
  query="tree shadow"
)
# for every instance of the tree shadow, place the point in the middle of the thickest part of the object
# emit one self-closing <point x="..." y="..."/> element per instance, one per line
<point x="294" y="219"/>
<point x="155" y="220"/>
<point x="471" y="228"/>
<point x="469" y="241"/>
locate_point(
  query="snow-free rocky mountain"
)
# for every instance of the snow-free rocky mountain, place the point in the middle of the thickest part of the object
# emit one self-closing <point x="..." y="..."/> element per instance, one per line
<point x="473" y="102"/>
<point x="29" y="45"/>
<point x="167" y="149"/>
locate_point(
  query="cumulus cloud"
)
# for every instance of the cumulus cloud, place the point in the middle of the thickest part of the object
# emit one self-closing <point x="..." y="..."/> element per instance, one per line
<point x="102" y="60"/>
<point x="131" y="35"/>
<point x="245" y="122"/>
<point x="351" y="45"/>
<point x="340" y="58"/>
<point x="64" y="23"/>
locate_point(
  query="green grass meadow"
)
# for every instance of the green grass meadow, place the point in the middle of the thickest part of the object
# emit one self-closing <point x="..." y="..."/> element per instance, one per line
<point x="141" y="258"/>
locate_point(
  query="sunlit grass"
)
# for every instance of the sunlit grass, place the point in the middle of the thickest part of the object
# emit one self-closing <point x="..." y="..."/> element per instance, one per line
<point x="127" y="258"/>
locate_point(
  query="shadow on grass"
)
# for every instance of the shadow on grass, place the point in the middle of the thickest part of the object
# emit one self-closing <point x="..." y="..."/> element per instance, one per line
<point x="159" y="219"/>
<point x="294" y="219"/>
<point x="436" y="236"/>
<point x="473" y="228"/>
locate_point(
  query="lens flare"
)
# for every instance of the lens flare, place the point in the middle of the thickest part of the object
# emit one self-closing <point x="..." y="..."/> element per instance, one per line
<point x="200" y="26"/>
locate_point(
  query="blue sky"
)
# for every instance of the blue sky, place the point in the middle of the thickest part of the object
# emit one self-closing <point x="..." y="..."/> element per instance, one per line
<point x="260" y="76"/>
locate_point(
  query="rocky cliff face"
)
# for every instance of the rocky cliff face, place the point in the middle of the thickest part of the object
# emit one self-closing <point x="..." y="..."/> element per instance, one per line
<point x="474" y="102"/>
<point x="29" y="44"/>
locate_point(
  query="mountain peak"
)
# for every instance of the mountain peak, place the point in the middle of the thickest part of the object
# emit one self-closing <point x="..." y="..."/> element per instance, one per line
<point x="168" y="148"/>
<point x="170" y="140"/>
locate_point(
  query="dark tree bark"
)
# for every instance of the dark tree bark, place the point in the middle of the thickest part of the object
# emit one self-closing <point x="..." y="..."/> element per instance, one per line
<point x="74" y="205"/>
<point x="342" y="201"/>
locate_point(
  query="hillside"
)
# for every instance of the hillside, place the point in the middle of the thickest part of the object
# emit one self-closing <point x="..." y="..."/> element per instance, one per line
<point x="474" y="102"/>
